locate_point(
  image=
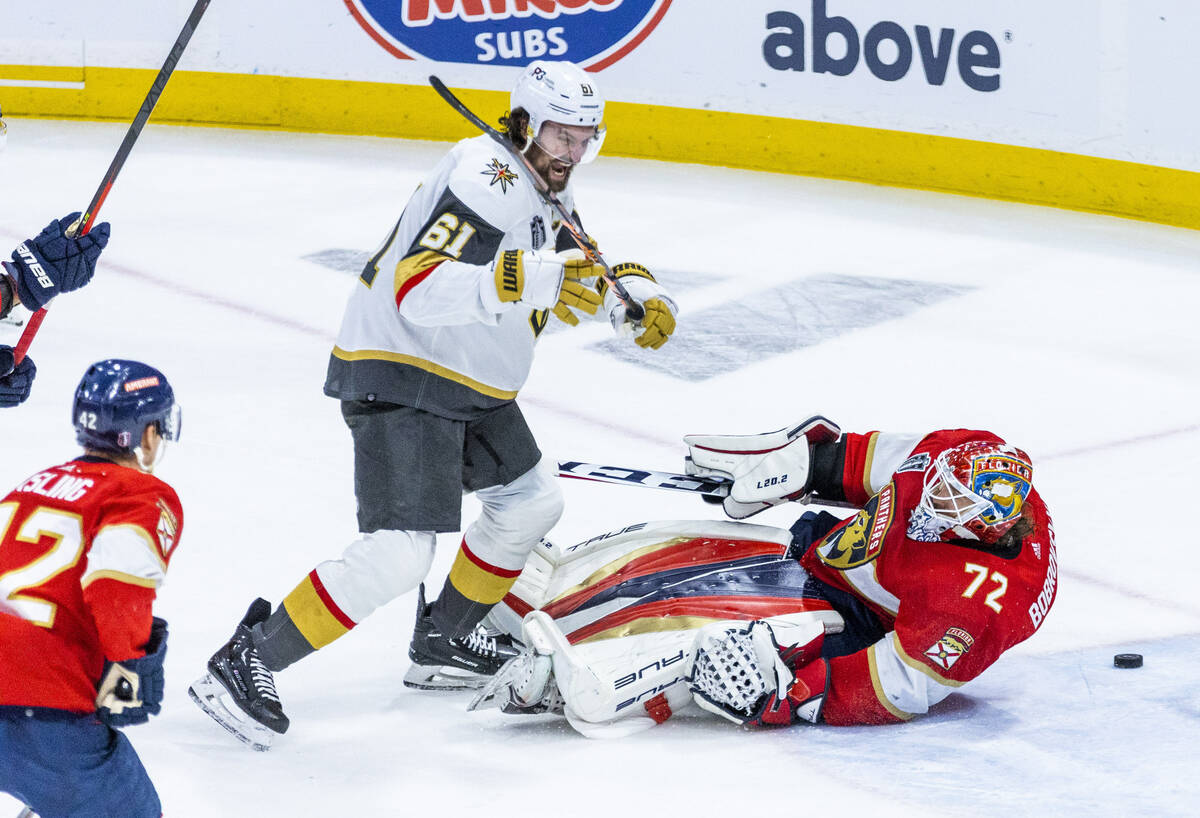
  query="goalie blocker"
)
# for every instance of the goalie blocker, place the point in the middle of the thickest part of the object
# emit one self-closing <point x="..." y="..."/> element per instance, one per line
<point x="766" y="469"/>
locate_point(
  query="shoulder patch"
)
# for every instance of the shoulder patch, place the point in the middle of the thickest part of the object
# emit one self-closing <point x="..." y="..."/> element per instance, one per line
<point x="500" y="174"/>
<point x="860" y="539"/>
<point x="950" y="648"/>
<point x="918" y="462"/>
<point x="537" y="232"/>
<point x="167" y="529"/>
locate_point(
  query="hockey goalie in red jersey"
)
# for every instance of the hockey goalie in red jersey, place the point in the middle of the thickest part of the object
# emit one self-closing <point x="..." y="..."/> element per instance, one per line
<point x="83" y="549"/>
<point x="947" y="561"/>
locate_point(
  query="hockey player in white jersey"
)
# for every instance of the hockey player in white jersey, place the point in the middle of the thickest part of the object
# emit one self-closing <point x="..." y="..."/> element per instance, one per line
<point x="436" y="342"/>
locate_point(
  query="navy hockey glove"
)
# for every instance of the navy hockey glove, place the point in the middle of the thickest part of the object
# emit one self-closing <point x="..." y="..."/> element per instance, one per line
<point x="15" y="382"/>
<point x="52" y="263"/>
<point x="132" y="691"/>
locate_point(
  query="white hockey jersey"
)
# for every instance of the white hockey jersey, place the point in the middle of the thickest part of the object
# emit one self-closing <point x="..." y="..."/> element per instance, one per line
<point x="419" y="329"/>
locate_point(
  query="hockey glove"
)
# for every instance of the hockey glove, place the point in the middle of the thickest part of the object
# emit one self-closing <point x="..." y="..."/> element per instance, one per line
<point x="745" y="676"/>
<point x="54" y="263"/>
<point x="574" y="293"/>
<point x="766" y="469"/>
<point x="656" y="326"/>
<point x="545" y="281"/>
<point x="15" y="381"/>
<point x="131" y="691"/>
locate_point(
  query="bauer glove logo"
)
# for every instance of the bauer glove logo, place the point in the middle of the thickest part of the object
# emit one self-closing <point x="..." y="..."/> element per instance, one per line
<point x="35" y="266"/>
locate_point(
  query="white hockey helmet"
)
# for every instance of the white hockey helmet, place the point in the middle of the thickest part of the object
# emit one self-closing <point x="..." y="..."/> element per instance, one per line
<point x="560" y="92"/>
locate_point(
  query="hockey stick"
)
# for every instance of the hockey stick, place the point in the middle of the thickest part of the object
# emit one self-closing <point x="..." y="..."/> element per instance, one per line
<point x="712" y="489"/>
<point x="86" y="221"/>
<point x="632" y="308"/>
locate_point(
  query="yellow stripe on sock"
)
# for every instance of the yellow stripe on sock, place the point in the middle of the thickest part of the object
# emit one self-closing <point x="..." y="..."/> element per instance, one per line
<point x="479" y="581"/>
<point x="312" y="616"/>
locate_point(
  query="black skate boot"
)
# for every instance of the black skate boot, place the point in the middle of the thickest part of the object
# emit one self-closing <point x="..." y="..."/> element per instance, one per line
<point x="237" y="676"/>
<point x="442" y="663"/>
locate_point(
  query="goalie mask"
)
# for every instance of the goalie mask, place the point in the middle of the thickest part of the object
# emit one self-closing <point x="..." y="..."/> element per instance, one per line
<point x="566" y="110"/>
<point x="974" y="491"/>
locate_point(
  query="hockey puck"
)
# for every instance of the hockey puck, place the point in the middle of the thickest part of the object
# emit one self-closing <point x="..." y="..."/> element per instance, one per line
<point x="1127" y="660"/>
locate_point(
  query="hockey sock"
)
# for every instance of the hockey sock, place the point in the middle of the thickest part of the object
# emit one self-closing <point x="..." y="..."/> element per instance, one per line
<point x="279" y="642"/>
<point x="310" y="611"/>
<point x="470" y="591"/>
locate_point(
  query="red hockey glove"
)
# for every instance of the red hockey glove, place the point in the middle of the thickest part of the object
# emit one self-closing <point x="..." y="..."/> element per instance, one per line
<point x="804" y="701"/>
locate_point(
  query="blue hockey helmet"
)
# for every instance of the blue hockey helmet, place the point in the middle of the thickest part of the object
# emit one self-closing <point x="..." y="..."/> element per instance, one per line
<point x="117" y="400"/>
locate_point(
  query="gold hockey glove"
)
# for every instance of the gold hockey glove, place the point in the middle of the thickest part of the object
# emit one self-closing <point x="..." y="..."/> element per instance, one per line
<point x="656" y="326"/>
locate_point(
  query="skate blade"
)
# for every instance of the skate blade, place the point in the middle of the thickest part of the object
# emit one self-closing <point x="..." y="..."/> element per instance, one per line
<point x="212" y="697"/>
<point x="495" y="691"/>
<point x="435" y="677"/>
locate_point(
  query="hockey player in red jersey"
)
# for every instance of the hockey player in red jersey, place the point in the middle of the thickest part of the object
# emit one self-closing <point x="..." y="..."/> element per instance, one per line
<point x="948" y="561"/>
<point x="83" y="548"/>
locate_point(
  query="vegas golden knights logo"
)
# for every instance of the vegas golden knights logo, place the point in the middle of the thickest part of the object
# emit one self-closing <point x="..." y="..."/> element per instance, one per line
<point x="538" y="319"/>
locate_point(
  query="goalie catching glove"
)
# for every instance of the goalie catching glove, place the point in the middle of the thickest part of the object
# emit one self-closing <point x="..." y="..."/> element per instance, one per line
<point x="659" y="321"/>
<point x="745" y="674"/>
<point x="131" y="691"/>
<point x="766" y="469"/>
<point x="544" y="281"/>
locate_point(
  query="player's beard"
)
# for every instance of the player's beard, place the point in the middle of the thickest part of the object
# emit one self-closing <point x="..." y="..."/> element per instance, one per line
<point x="554" y="173"/>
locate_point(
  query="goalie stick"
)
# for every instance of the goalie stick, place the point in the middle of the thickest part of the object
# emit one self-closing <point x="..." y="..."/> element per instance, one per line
<point x="632" y="309"/>
<point x="712" y="489"/>
<point x="88" y="218"/>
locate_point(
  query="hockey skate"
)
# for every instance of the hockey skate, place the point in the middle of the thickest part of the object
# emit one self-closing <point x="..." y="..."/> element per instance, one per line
<point x="524" y="685"/>
<point x="442" y="663"/>
<point x="238" y="691"/>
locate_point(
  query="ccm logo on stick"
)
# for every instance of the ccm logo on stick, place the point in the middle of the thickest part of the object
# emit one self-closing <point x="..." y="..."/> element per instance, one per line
<point x="978" y="55"/>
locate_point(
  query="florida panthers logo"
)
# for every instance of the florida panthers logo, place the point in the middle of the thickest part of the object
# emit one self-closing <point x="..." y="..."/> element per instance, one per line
<point x="1005" y="482"/>
<point x="501" y="175"/>
<point x="860" y="539"/>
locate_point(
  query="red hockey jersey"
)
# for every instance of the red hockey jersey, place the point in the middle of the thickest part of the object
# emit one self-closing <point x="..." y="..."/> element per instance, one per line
<point x="83" y="548"/>
<point x="951" y="609"/>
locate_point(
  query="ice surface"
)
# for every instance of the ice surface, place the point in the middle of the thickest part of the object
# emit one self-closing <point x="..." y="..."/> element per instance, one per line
<point x="1073" y="335"/>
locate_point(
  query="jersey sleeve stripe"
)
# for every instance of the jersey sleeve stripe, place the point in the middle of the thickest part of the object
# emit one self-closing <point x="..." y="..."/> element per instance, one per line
<point x="863" y="581"/>
<point x="127" y="550"/>
<point x="412" y="270"/>
<point x="880" y="686"/>
<point x="889" y="451"/>
<point x="868" y="460"/>
<point x="119" y="576"/>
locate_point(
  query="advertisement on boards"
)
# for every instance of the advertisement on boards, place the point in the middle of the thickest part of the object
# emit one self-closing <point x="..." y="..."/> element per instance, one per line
<point x="591" y="33"/>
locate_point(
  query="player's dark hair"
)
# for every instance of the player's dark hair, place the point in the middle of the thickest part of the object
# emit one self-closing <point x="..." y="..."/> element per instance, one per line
<point x="515" y="123"/>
